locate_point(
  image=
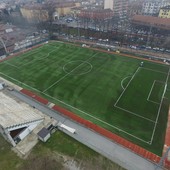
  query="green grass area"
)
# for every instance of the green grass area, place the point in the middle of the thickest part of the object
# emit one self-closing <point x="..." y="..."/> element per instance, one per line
<point x="53" y="154"/>
<point x="8" y="159"/>
<point x="107" y="89"/>
<point x="157" y="91"/>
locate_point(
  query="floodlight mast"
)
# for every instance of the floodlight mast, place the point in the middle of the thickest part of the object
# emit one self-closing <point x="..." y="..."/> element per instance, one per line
<point x="1" y="40"/>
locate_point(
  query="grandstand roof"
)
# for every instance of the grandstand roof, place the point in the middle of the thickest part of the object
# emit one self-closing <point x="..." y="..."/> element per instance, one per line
<point x="14" y="113"/>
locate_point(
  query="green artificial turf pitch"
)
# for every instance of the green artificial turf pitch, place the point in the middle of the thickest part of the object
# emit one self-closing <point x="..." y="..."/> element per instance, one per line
<point x="110" y="90"/>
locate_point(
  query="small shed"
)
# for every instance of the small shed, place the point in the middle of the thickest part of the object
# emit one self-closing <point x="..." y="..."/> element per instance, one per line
<point x="44" y="134"/>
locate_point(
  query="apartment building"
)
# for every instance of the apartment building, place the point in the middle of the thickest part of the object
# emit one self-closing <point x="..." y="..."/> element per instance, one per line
<point x="164" y="12"/>
<point x="108" y="4"/>
<point x="119" y="7"/>
<point x="152" y="7"/>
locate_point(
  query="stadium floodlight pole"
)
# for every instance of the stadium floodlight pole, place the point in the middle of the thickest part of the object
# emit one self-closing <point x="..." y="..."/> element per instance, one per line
<point x="78" y="29"/>
<point x="3" y="45"/>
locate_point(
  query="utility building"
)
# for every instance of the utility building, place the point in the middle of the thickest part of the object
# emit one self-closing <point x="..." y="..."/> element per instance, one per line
<point x="17" y="120"/>
<point x="44" y="134"/>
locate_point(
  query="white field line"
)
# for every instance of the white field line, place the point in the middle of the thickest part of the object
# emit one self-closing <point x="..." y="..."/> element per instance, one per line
<point x="45" y="56"/>
<point x="126" y="86"/>
<point x="26" y="55"/>
<point x="151" y="92"/>
<point x="95" y="118"/>
<point x="115" y="105"/>
<point x="10" y="64"/>
<point x="40" y="58"/>
<point x="154" y="70"/>
<point x="91" y="67"/>
<point x="63" y="77"/>
<point x="156" y="121"/>
<point x="29" y="54"/>
<point x="160" y="81"/>
<point x="77" y="109"/>
<point x="69" y="73"/>
<point x="135" y="114"/>
<point x="153" y="102"/>
<point x="123" y="81"/>
<point x="48" y="53"/>
<point x="19" y="82"/>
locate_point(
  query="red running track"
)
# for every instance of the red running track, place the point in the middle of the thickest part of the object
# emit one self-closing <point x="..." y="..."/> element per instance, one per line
<point x="167" y="143"/>
<point x="34" y="96"/>
<point x="134" y="148"/>
<point x="121" y="141"/>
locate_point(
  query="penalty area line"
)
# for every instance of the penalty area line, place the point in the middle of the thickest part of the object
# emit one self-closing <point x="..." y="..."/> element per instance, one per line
<point x="120" y="130"/>
<point x="126" y="86"/>
<point x="123" y="81"/>
<point x="159" y="110"/>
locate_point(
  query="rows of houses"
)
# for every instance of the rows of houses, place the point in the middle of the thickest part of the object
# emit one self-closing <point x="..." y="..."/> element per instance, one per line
<point x="151" y="13"/>
<point x="121" y="9"/>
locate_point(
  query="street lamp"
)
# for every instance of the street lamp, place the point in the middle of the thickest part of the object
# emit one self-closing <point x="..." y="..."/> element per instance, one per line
<point x="3" y="45"/>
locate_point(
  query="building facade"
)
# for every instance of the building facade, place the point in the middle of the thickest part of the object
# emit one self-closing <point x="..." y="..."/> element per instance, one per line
<point x="34" y="13"/>
<point x="152" y="7"/>
<point x="151" y="21"/>
<point x="96" y="14"/>
<point x="135" y="8"/>
<point x="108" y="4"/>
<point x="165" y="12"/>
<point x="119" y="7"/>
<point x="39" y="12"/>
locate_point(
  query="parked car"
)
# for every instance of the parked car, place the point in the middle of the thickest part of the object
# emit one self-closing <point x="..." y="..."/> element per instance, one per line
<point x="156" y="48"/>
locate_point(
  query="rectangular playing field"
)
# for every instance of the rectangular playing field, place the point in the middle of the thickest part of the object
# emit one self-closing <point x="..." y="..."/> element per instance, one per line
<point x="110" y="90"/>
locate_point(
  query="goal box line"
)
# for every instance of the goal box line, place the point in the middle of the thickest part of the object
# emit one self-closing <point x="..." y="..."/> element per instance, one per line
<point x="151" y="91"/>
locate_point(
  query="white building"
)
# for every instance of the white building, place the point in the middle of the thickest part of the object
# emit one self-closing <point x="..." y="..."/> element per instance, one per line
<point x="152" y="7"/>
<point x="108" y="4"/>
<point x="17" y="120"/>
<point x="119" y="7"/>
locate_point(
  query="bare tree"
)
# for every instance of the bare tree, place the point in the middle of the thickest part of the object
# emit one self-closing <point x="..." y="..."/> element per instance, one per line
<point x="45" y="17"/>
<point x="166" y="44"/>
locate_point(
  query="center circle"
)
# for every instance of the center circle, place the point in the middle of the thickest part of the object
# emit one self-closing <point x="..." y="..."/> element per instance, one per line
<point x="78" y="67"/>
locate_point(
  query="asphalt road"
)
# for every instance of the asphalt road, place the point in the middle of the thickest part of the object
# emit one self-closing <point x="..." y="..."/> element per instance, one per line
<point x="100" y="144"/>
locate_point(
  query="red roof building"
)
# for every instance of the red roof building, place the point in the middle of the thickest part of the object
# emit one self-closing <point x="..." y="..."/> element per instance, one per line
<point x="96" y="14"/>
<point x="161" y="23"/>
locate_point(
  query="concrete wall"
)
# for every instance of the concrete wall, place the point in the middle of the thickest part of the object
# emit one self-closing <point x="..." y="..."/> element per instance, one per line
<point x="27" y="131"/>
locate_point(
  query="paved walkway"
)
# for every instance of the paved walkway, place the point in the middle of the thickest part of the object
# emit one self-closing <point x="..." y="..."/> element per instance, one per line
<point x="100" y="144"/>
